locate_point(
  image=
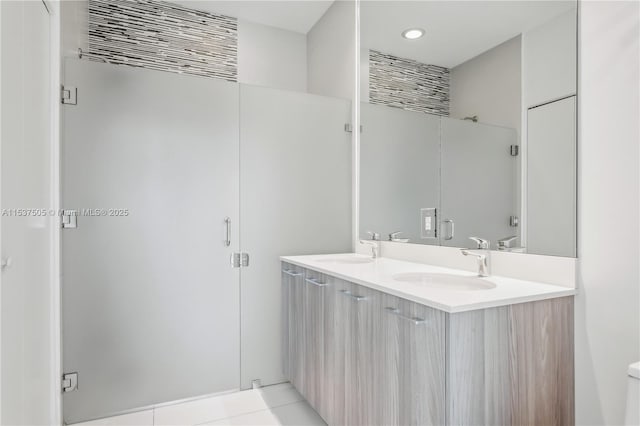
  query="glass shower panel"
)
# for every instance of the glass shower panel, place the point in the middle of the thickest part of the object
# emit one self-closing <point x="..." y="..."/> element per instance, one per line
<point x="295" y="199"/>
<point x="150" y="302"/>
<point x="400" y="171"/>
<point x="551" y="179"/>
<point x="478" y="182"/>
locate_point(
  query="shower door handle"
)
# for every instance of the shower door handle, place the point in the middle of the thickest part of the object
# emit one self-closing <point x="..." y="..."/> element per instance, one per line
<point x="451" y="230"/>
<point x="227" y="222"/>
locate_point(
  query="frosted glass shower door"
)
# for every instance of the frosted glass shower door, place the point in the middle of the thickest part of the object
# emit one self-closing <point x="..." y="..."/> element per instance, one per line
<point x="399" y="171"/>
<point x="150" y="302"/>
<point x="295" y="172"/>
<point x="478" y="182"/>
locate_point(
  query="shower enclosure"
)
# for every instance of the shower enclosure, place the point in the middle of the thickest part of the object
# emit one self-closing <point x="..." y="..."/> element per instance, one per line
<point x="457" y="175"/>
<point x="181" y="193"/>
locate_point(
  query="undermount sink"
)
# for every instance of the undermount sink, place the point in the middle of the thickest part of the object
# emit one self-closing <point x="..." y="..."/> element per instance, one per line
<point x="445" y="281"/>
<point x="348" y="260"/>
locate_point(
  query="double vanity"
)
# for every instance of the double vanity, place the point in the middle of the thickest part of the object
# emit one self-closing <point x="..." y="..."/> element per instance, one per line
<point x="378" y="341"/>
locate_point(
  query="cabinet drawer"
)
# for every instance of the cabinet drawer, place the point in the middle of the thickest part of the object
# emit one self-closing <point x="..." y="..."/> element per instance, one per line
<point x="411" y="363"/>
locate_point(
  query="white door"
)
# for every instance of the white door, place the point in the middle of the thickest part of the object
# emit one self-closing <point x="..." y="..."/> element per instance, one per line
<point x="26" y="170"/>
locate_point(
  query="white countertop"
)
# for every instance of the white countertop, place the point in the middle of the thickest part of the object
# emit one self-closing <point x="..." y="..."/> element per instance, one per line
<point x="378" y="275"/>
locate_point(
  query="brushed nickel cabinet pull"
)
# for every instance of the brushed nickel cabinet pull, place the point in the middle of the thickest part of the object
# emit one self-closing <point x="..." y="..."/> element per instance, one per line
<point x="413" y="320"/>
<point x="353" y="296"/>
<point x="315" y="282"/>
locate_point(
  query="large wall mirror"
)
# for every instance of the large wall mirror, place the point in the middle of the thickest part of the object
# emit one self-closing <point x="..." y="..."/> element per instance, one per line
<point x="468" y="123"/>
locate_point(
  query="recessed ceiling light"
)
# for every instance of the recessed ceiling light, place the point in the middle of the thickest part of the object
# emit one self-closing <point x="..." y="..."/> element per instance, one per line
<point x="413" y="33"/>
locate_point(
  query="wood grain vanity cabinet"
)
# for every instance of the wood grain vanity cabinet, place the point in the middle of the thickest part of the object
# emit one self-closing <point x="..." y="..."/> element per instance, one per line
<point x="363" y="357"/>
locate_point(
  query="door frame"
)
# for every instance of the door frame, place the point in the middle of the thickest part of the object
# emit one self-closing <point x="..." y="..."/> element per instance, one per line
<point x="55" y="331"/>
<point x="54" y="394"/>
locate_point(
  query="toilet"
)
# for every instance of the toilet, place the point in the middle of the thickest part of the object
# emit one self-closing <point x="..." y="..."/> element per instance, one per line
<point x="632" y="416"/>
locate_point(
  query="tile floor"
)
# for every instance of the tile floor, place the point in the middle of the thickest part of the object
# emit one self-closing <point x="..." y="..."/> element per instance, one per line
<point x="270" y="405"/>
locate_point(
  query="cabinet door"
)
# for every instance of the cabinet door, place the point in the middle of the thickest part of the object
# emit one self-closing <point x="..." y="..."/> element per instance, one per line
<point x="315" y="287"/>
<point x="293" y="323"/>
<point x="361" y="398"/>
<point x="388" y="362"/>
<point x="336" y="356"/>
<point x="289" y="274"/>
<point x="410" y="382"/>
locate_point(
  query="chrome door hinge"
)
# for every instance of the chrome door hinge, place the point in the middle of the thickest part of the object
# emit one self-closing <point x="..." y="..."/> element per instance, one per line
<point x="69" y="219"/>
<point x="239" y="260"/>
<point x="514" y="221"/>
<point x="514" y="150"/>
<point x="69" y="382"/>
<point x="69" y="95"/>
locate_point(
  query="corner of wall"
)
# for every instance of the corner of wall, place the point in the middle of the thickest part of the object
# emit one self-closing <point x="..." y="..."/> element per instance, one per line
<point x="331" y="47"/>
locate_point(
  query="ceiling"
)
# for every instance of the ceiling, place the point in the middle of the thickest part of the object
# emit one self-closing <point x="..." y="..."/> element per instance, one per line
<point x="297" y="16"/>
<point x="456" y="31"/>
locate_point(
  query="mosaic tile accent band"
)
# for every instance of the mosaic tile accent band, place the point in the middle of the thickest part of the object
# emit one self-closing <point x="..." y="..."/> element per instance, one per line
<point x="163" y="36"/>
<point x="408" y="84"/>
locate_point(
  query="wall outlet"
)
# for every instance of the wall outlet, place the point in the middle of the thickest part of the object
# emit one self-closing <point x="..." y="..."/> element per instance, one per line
<point x="428" y="222"/>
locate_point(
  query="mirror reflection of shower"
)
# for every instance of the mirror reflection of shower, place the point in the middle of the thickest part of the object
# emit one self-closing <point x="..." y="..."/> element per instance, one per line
<point x="465" y="131"/>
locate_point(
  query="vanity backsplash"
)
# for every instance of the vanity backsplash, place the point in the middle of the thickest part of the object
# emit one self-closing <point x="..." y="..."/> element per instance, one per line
<point x="554" y="270"/>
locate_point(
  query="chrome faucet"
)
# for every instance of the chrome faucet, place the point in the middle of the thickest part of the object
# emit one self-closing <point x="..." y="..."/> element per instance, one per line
<point x="481" y="243"/>
<point x="374" y="235"/>
<point x="394" y="237"/>
<point x="374" y="247"/>
<point x="481" y="252"/>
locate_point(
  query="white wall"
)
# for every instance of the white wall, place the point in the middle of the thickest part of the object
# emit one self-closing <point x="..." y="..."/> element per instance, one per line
<point x="272" y="57"/>
<point x="549" y="60"/>
<point x="489" y="86"/>
<point x="607" y="318"/>
<point x="331" y="49"/>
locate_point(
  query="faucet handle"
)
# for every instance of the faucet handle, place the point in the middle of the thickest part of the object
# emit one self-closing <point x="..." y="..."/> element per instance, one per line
<point x="506" y="242"/>
<point x="374" y="235"/>
<point x="394" y="235"/>
<point x="481" y="242"/>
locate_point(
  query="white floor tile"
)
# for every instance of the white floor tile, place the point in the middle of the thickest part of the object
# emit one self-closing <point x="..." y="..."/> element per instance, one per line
<point x="209" y="409"/>
<point x="259" y="418"/>
<point x="141" y="418"/>
<point x="271" y="405"/>
<point x="296" y="414"/>
<point x="281" y="394"/>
